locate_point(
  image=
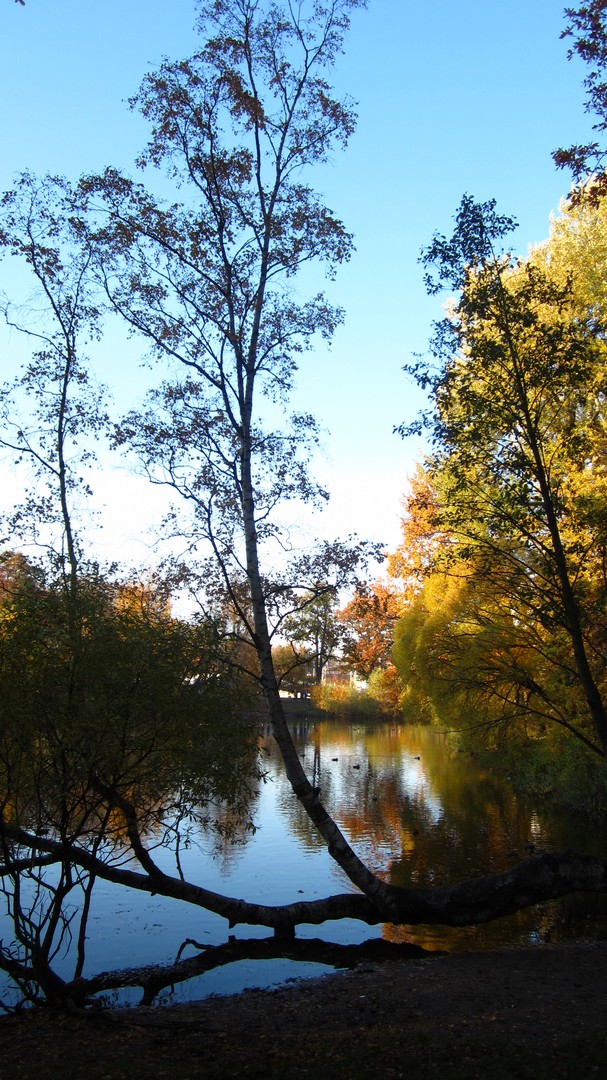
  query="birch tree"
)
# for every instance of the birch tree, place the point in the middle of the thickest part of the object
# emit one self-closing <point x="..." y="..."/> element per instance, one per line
<point x="214" y="283"/>
<point x="210" y="282"/>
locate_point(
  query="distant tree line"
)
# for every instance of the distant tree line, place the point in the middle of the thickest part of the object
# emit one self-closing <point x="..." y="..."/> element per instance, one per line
<point x="123" y="728"/>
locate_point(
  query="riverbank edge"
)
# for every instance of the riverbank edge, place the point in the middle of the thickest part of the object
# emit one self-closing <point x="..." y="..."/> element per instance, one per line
<point x="536" y="1011"/>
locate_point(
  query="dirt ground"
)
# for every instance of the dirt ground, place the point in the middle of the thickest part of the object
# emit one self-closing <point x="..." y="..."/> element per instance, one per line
<point x="538" y="1012"/>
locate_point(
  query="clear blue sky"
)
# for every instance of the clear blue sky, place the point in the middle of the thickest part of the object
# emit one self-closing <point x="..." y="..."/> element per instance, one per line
<point x="453" y="98"/>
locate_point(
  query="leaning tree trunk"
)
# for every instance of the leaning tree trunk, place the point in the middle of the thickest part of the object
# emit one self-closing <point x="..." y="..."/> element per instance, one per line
<point x="373" y="887"/>
<point x="545" y="876"/>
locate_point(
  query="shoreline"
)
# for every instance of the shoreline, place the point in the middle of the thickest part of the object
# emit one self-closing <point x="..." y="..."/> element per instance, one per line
<point x="519" y="1007"/>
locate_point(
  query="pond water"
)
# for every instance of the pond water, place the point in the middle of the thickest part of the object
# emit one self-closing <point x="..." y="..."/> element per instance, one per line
<point x="417" y="812"/>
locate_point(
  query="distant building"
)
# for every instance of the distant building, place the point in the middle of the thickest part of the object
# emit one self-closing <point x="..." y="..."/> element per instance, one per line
<point x="338" y="673"/>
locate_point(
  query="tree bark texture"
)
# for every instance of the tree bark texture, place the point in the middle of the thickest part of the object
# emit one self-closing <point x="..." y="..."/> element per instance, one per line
<point x="545" y="876"/>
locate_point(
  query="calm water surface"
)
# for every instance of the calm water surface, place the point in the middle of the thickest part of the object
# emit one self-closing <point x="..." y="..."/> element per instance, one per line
<point x="418" y="813"/>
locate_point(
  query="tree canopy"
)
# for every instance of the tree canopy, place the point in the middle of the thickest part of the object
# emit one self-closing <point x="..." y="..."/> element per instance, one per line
<point x="112" y="740"/>
<point x="511" y="610"/>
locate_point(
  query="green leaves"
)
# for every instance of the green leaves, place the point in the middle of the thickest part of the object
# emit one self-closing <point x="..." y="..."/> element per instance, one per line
<point x="518" y="443"/>
<point x="476" y="240"/>
<point x="108" y="697"/>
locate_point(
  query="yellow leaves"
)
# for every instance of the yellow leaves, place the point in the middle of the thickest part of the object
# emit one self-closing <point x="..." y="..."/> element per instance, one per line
<point x="141" y="597"/>
<point x="576" y="252"/>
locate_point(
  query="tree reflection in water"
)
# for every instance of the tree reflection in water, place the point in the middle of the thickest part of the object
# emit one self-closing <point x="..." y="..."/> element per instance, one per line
<point x="418" y="811"/>
<point x="427" y="815"/>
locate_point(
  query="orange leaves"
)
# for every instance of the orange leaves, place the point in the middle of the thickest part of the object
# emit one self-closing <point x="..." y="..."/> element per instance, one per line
<point x="369" y="621"/>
